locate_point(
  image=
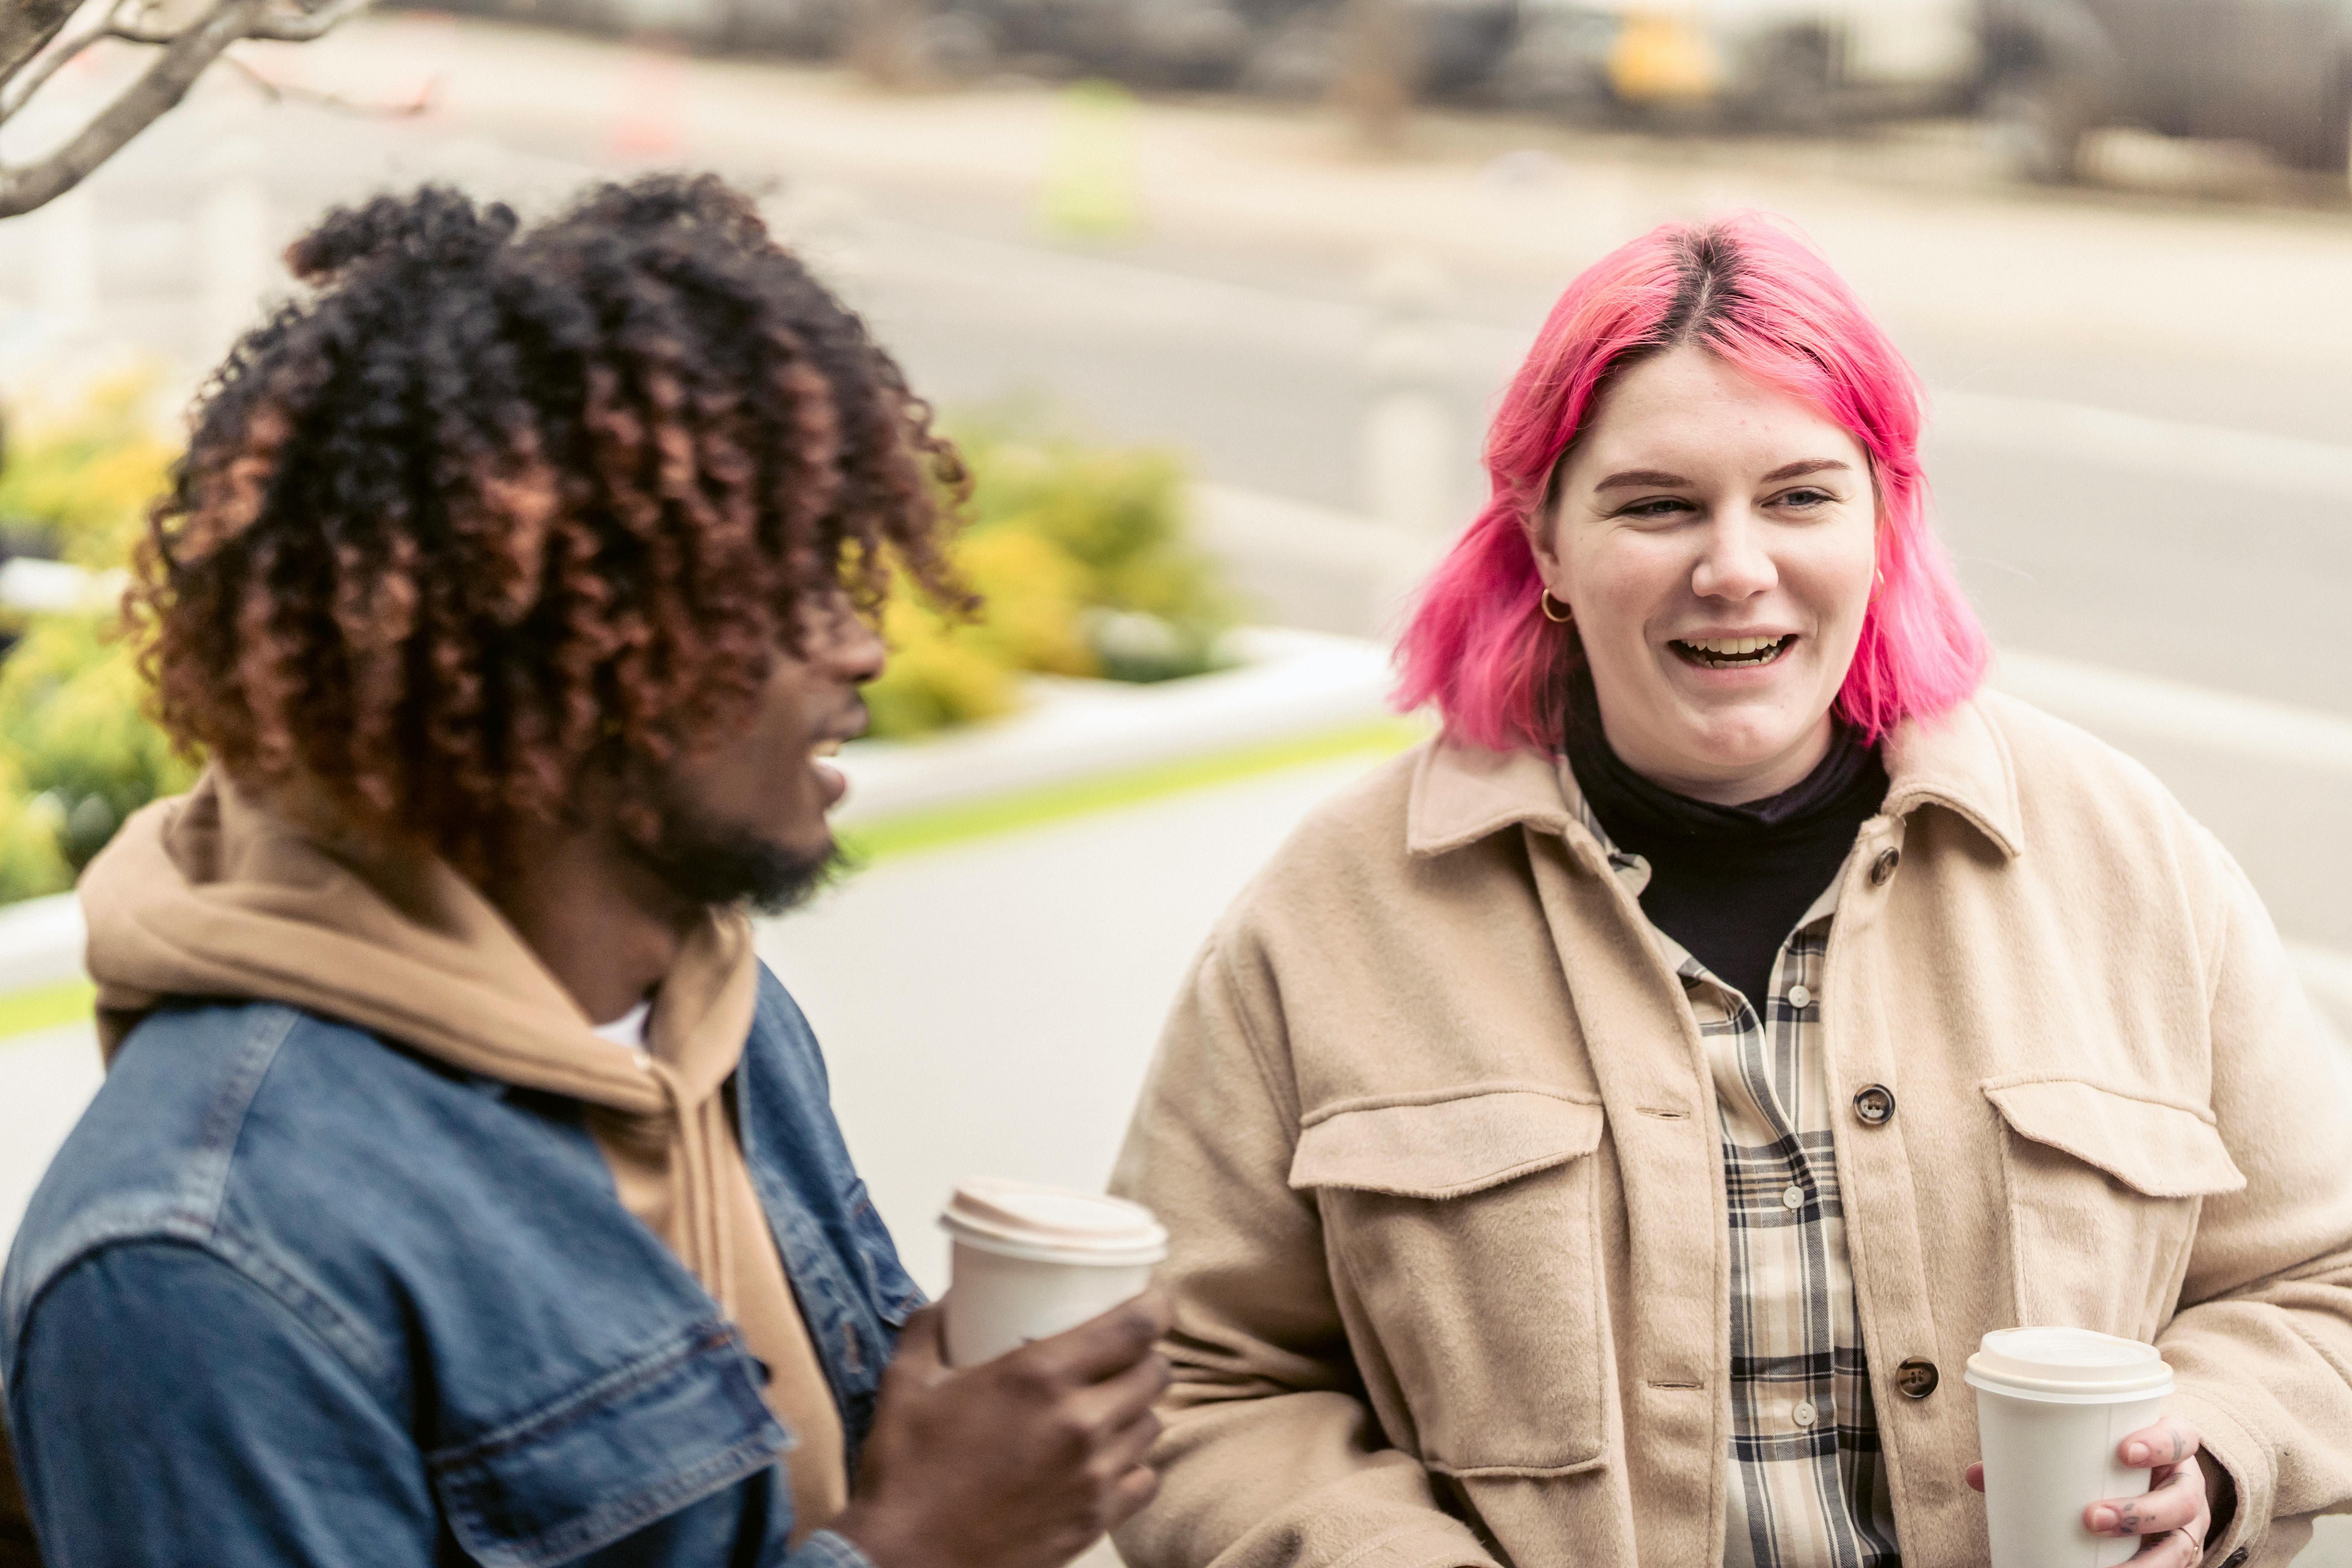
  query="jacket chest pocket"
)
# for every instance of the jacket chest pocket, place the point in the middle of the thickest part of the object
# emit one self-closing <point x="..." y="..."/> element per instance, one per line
<point x="632" y="1447"/>
<point x="2104" y="1191"/>
<point x="1466" y="1228"/>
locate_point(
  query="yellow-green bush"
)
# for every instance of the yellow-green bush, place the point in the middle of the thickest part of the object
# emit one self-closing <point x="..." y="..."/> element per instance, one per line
<point x="75" y="732"/>
<point x="79" y="482"/>
<point x="1081" y="555"/>
<point x="31" y="863"/>
<point x="1078" y="553"/>
<point x="76" y="751"/>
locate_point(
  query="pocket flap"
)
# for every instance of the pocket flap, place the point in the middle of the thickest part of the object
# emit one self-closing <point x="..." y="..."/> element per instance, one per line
<point x="2161" y="1150"/>
<point x="633" y="1447"/>
<point x="1445" y="1148"/>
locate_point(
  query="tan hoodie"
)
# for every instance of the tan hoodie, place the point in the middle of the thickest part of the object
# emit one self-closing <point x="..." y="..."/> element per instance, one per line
<point x="213" y="894"/>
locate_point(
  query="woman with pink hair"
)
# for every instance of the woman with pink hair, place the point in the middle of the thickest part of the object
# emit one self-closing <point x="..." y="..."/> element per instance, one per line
<point x="1603" y="1136"/>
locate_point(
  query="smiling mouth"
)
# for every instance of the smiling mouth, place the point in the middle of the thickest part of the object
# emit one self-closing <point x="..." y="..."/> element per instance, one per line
<point x="1732" y="653"/>
<point x="825" y="749"/>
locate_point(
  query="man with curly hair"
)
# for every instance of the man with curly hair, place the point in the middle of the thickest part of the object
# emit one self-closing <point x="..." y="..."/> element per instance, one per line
<point x="463" y="1187"/>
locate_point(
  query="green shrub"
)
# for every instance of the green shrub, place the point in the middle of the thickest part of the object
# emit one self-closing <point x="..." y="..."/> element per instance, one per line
<point x="1081" y="555"/>
<point x="78" y="483"/>
<point x="31" y="862"/>
<point x="78" y="752"/>
<point x="76" y="733"/>
<point x="1079" y="552"/>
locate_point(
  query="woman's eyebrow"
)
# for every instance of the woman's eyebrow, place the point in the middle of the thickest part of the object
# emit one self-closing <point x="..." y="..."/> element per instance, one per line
<point x="1640" y="477"/>
<point x="1798" y="470"/>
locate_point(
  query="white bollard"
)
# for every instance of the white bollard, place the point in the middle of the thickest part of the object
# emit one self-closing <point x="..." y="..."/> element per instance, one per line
<point x="235" y="272"/>
<point x="1408" y="441"/>
<point x="1408" y="450"/>
<point x="65" y="244"/>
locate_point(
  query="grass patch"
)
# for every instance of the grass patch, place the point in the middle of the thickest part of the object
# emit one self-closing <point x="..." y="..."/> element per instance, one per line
<point x="70" y="1001"/>
<point x="46" y="1007"/>
<point x="1048" y="804"/>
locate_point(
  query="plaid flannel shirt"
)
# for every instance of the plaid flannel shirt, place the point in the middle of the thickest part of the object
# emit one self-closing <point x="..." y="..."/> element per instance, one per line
<point x="1808" y="1485"/>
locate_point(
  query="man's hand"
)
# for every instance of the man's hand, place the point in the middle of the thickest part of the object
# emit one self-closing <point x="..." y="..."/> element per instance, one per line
<point x="1021" y="1462"/>
<point x="2182" y="1502"/>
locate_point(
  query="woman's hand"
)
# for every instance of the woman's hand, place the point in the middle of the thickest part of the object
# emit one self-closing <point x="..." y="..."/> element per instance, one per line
<point x="2183" y="1499"/>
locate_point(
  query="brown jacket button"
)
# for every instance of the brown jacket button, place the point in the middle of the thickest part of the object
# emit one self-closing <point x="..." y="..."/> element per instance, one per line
<point x="1883" y="867"/>
<point x="1874" y="1105"/>
<point x="1917" y="1377"/>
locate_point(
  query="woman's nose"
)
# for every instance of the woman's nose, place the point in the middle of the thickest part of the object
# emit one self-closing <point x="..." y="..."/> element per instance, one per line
<point x="1736" y="565"/>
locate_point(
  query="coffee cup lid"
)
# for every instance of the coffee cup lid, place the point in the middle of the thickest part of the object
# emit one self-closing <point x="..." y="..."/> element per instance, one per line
<point x="1051" y="1225"/>
<point x="2067" y="1366"/>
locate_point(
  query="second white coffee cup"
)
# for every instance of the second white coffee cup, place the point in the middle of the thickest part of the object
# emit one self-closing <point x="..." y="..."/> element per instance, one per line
<point x="1031" y="1262"/>
<point x="2052" y="1407"/>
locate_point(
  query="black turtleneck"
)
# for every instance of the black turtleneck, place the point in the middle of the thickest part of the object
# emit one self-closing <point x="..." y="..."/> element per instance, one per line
<point x="1728" y="883"/>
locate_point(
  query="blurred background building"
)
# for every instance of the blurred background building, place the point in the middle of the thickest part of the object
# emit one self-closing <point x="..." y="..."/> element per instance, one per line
<point x="1221" y="292"/>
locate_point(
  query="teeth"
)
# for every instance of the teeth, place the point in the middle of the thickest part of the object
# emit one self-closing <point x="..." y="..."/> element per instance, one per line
<point x="1732" y="647"/>
<point x="825" y="749"/>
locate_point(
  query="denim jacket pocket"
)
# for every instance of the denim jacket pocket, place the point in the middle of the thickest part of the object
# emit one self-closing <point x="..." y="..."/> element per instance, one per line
<point x="893" y="1291"/>
<point x="605" y="1460"/>
<point x="2104" y="1190"/>
<point x="1476" y="1207"/>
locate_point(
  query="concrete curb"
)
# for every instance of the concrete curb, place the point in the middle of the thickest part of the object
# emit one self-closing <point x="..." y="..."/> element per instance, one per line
<point x="1290" y="684"/>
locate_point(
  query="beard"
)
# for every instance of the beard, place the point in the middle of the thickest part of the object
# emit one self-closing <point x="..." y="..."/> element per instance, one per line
<point x="713" y="864"/>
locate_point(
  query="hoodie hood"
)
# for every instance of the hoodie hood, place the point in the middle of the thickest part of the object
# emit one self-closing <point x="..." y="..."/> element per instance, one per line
<point x="213" y="894"/>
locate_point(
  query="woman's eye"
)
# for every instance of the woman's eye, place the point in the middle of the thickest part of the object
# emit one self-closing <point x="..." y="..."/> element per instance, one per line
<point x="1656" y="506"/>
<point x="1804" y="500"/>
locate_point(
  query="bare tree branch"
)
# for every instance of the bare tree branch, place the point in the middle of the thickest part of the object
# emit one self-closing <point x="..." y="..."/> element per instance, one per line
<point x="299" y="26"/>
<point x="26" y="28"/>
<point x="18" y="92"/>
<point x="281" y="92"/>
<point x="154" y="94"/>
<point x="185" y="54"/>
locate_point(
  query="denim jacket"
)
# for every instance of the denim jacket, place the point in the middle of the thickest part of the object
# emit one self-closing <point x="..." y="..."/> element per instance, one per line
<point x="291" y="1294"/>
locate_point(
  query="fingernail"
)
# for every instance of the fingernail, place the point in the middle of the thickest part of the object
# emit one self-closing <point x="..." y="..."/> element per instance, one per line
<point x="2103" y="1519"/>
<point x="2136" y="1453"/>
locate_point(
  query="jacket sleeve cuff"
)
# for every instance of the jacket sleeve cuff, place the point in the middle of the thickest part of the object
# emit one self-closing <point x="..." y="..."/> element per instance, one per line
<point x="826" y="1549"/>
<point x="2240" y="1450"/>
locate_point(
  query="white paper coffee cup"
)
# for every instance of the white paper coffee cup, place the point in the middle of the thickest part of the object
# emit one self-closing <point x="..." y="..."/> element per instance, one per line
<point x="1031" y="1262"/>
<point x="2052" y="1407"/>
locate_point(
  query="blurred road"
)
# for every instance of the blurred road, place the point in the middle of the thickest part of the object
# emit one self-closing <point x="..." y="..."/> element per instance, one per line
<point x="2142" y="431"/>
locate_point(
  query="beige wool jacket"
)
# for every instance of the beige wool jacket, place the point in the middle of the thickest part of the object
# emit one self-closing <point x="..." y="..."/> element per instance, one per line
<point x="1434" y="1136"/>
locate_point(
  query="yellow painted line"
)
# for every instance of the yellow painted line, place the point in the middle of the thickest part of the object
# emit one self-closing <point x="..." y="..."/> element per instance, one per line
<point x="44" y="1007"/>
<point x="1049" y="803"/>
<point x="68" y="1001"/>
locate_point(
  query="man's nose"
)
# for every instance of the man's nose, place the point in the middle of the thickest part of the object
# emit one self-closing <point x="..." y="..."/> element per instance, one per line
<point x="1735" y="566"/>
<point x="856" y="650"/>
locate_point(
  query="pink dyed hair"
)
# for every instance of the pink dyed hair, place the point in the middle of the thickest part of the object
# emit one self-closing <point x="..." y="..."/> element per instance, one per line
<point x="1751" y="292"/>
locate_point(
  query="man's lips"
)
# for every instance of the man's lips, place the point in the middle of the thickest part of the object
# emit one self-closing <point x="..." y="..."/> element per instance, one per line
<point x="830" y="781"/>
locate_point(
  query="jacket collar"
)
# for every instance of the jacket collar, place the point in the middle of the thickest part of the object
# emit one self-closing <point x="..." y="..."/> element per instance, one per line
<point x="1957" y="760"/>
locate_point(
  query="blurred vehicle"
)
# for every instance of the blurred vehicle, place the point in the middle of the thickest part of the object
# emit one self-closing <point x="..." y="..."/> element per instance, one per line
<point x="1786" y="64"/>
<point x="2274" y="72"/>
<point x="1797" y="64"/>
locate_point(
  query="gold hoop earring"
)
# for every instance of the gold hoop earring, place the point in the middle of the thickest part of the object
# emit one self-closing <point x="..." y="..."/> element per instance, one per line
<point x="1878" y="574"/>
<point x="1544" y="601"/>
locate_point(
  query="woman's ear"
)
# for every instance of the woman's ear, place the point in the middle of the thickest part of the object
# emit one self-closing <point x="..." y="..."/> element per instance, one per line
<point x="1542" y="530"/>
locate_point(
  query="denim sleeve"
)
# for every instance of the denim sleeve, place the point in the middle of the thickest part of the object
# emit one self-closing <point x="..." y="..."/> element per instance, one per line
<point x="169" y="1410"/>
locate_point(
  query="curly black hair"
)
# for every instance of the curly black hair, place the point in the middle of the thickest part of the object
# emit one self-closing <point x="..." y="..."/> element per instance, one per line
<point x="493" y="503"/>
